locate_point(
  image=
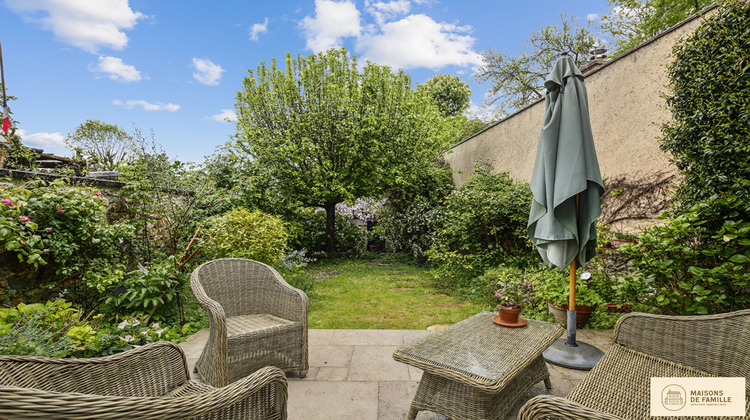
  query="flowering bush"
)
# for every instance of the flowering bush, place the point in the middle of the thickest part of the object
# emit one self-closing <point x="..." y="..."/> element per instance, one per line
<point x="362" y="209"/>
<point x="134" y="331"/>
<point x="18" y="233"/>
<point x="60" y="224"/>
<point x="409" y="229"/>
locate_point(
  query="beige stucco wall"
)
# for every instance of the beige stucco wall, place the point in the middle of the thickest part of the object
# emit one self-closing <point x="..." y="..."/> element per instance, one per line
<point x="626" y="108"/>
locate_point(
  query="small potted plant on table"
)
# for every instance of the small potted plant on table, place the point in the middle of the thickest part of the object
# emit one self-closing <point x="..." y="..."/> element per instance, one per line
<point x="512" y="294"/>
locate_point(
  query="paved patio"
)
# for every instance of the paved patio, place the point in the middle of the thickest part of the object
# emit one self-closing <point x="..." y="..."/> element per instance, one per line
<point x="353" y="375"/>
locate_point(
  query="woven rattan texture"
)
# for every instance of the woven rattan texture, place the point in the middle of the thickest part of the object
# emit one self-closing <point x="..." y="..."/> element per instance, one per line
<point x="440" y="395"/>
<point x="256" y="319"/>
<point x="476" y="369"/>
<point x="150" y="382"/>
<point x="654" y="346"/>
<point x="478" y="352"/>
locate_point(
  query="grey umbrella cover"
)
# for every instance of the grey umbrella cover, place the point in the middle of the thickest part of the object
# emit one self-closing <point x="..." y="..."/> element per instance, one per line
<point x="565" y="165"/>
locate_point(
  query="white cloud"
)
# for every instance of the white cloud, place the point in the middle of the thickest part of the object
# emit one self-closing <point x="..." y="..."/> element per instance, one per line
<point x="146" y="106"/>
<point x="206" y="72"/>
<point x="592" y="16"/>
<point x="225" y="116"/>
<point x="333" y="21"/>
<point x="43" y="140"/>
<point x="419" y="41"/>
<point x="117" y="70"/>
<point x="387" y="10"/>
<point x="257" y="29"/>
<point x="86" y="24"/>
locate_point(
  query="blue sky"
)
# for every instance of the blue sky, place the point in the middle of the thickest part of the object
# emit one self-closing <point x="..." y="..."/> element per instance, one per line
<point x="174" y="67"/>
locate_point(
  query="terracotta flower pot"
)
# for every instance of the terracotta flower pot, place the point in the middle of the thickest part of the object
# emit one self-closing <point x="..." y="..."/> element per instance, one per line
<point x="509" y="315"/>
<point x="583" y="313"/>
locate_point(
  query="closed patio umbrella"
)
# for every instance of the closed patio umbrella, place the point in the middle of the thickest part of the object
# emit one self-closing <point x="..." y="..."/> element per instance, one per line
<point x="566" y="185"/>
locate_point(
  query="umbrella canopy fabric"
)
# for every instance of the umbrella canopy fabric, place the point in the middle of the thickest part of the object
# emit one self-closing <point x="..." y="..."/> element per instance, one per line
<point x="565" y="167"/>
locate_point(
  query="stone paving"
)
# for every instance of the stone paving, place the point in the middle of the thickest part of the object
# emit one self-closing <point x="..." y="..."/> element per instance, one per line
<point x="353" y="375"/>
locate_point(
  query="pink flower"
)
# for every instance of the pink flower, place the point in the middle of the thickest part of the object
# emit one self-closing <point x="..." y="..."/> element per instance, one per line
<point x="221" y="199"/>
<point x="48" y="230"/>
<point x="98" y="194"/>
<point x="8" y="202"/>
<point x="24" y="219"/>
<point x="61" y="211"/>
<point x="3" y="186"/>
<point x="46" y="250"/>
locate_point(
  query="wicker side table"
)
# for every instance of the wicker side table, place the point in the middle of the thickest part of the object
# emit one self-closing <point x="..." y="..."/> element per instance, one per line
<point x="476" y="369"/>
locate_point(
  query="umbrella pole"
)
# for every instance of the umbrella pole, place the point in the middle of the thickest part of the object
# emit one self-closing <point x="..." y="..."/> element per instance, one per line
<point x="571" y="342"/>
<point x="570" y="353"/>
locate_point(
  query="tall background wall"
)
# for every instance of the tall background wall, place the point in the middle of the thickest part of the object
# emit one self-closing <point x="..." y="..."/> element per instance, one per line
<point x="627" y="111"/>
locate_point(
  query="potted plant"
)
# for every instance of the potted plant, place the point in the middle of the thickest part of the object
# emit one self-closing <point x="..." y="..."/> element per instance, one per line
<point x="512" y="294"/>
<point x="554" y="287"/>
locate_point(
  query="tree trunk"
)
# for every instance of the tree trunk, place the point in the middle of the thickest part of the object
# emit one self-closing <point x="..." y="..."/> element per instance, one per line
<point x="330" y="226"/>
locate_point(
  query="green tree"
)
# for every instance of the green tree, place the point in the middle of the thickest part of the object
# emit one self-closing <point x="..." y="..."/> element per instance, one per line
<point x="330" y="133"/>
<point x="517" y="81"/>
<point x="448" y="92"/>
<point x="106" y="144"/>
<point x="632" y="22"/>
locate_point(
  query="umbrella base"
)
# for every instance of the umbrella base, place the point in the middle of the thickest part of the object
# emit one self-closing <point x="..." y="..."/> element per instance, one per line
<point x="582" y="357"/>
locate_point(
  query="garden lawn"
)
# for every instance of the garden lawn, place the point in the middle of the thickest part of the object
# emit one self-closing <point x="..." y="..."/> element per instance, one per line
<point x="379" y="294"/>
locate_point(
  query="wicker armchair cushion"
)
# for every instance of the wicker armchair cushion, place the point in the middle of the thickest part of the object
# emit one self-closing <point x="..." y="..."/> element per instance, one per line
<point x="150" y="382"/>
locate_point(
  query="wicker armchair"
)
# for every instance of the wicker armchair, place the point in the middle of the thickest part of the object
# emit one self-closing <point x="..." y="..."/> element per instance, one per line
<point x="653" y="346"/>
<point x="149" y="382"/>
<point x="256" y="319"/>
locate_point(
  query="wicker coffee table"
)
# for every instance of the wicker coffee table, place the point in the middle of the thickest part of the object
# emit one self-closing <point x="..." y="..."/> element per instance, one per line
<point x="477" y="369"/>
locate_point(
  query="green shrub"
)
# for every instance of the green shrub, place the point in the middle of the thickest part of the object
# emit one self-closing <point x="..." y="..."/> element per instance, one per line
<point x="53" y="329"/>
<point x="483" y="225"/>
<point x="19" y="234"/>
<point x="409" y="229"/>
<point x="408" y="219"/>
<point x="72" y="222"/>
<point x="309" y="227"/>
<point x="242" y="233"/>
<point x="710" y="102"/>
<point x="151" y="289"/>
<point x="697" y="263"/>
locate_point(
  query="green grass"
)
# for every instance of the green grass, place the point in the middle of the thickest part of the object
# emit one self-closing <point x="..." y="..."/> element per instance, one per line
<point x="379" y="293"/>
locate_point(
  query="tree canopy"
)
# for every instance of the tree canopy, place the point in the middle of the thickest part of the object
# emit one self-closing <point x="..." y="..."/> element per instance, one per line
<point x="632" y="22"/>
<point x="105" y="144"/>
<point x="517" y="81"/>
<point x="448" y="92"/>
<point x="330" y="132"/>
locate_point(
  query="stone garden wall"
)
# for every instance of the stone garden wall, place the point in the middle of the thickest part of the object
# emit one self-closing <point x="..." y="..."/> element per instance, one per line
<point x="627" y="111"/>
